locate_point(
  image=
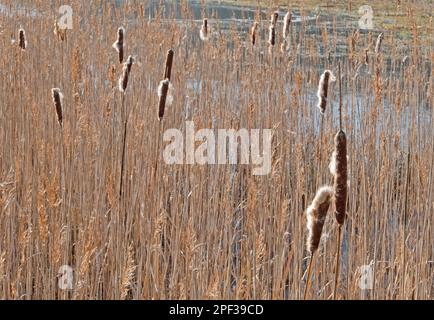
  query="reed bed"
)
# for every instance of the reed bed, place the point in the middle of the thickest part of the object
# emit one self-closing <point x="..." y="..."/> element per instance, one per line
<point x="213" y="231"/>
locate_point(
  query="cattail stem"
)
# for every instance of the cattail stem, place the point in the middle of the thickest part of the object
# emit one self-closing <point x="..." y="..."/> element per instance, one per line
<point x="337" y="261"/>
<point x="124" y="143"/>
<point x="309" y="273"/>
<point x="340" y="97"/>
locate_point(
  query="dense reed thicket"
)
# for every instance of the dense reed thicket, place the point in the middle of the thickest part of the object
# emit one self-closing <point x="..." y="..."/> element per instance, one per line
<point x="212" y="231"/>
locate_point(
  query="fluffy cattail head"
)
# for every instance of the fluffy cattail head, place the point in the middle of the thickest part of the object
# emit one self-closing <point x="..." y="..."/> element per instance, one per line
<point x="163" y="90"/>
<point x="286" y="24"/>
<point x="272" y="35"/>
<point x="274" y="17"/>
<point x="379" y="42"/>
<point x="204" y="30"/>
<point x="119" y="44"/>
<point x="316" y="216"/>
<point x="323" y="87"/>
<point x="340" y="170"/>
<point x="58" y="103"/>
<point x="22" y="42"/>
<point x="253" y="33"/>
<point x="123" y="80"/>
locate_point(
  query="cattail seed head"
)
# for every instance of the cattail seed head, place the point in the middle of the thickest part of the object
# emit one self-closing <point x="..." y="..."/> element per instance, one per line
<point x="169" y="64"/>
<point x="22" y="42"/>
<point x="204" y="30"/>
<point x="123" y="80"/>
<point x="253" y="30"/>
<point x="378" y="43"/>
<point x="163" y="90"/>
<point x="323" y="86"/>
<point x="58" y="102"/>
<point x="272" y="35"/>
<point x="274" y="17"/>
<point x="119" y="44"/>
<point x="286" y="24"/>
<point x="316" y="216"/>
<point x="340" y="176"/>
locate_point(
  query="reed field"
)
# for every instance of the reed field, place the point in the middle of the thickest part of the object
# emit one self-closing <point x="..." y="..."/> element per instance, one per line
<point x="83" y="182"/>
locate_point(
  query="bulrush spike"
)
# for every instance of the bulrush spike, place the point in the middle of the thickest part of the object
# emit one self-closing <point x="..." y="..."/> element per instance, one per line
<point x="286" y="23"/>
<point x="323" y="86"/>
<point x="119" y="44"/>
<point x="169" y="64"/>
<point x="274" y="17"/>
<point x="339" y="168"/>
<point x="379" y="42"/>
<point x="22" y="42"/>
<point x="163" y="89"/>
<point x="272" y="35"/>
<point x="316" y="215"/>
<point x="123" y="80"/>
<point x="204" y="30"/>
<point x="253" y="30"/>
<point x="58" y="103"/>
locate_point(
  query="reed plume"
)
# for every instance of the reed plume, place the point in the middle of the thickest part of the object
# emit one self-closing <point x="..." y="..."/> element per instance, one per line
<point x="58" y="103"/>
<point x="253" y="30"/>
<point x="22" y="41"/>
<point x="119" y="44"/>
<point x="323" y="87"/>
<point x="204" y="30"/>
<point x="123" y="80"/>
